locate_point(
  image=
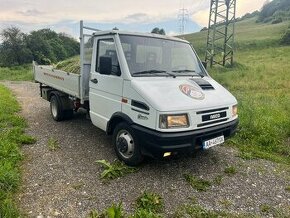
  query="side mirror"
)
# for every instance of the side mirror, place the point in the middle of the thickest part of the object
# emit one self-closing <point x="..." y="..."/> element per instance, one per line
<point x="204" y="64"/>
<point x="105" y="65"/>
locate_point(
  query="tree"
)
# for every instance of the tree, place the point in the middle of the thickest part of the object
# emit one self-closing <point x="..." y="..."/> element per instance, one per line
<point x="71" y="46"/>
<point x="156" y="30"/>
<point x="38" y="43"/>
<point x="13" y="50"/>
<point x="44" y="46"/>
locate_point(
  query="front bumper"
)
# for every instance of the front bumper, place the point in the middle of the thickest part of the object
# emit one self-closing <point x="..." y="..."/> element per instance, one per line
<point x="156" y="143"/>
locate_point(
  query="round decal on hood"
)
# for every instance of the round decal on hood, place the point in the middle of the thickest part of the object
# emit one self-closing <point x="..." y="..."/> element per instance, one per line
<point x="191" y="91"/>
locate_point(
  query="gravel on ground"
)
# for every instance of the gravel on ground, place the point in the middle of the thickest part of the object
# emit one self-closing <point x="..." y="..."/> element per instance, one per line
<point x="66" y="182"/>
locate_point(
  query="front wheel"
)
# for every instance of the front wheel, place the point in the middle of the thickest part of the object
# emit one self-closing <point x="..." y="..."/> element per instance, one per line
<point x="126" y="145"/>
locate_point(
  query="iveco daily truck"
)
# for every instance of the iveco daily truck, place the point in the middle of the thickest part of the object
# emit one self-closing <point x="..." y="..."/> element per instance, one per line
<point x="150" y="92"/>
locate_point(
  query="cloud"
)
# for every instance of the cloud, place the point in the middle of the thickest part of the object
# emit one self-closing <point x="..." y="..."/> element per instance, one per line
<point x="246" y="6"/>
<point x="30" y="13"/>
<point x="243" y="7"/>
<point x="138" y="17"/>
<point x="201" y="17"/>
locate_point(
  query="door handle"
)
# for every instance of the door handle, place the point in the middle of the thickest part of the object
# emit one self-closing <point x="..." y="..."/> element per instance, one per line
<point x="94" y="81"/>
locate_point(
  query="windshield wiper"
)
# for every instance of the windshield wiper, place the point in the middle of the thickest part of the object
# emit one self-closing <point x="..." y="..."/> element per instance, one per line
<point x="183" y="71"/>
<point x="154" y="72"/>
<point x="187" y="71"/>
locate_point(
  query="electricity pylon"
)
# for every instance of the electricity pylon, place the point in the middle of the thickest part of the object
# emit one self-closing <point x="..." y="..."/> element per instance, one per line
<point x="183" y="18"/>
<point x="221" y="32"/>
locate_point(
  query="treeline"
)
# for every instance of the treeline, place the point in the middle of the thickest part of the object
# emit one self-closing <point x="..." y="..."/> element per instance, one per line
<point x="44" y="46"/>
<point x="275" y="11"/>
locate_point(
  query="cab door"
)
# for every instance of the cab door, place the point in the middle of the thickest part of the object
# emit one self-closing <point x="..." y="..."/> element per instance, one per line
<point x="105" y="89"/>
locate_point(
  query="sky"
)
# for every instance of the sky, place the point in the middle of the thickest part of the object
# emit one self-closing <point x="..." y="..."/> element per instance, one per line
<point x="130" y="15"/>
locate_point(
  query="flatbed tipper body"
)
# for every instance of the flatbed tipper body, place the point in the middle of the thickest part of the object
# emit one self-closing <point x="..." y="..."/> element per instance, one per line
<point x="63" y="81"/>
<point x="150" y="92"/>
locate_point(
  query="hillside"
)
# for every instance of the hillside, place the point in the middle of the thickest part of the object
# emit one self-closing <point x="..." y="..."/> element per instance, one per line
<point x="260" y="80"/>
<point x="249" y="34"/>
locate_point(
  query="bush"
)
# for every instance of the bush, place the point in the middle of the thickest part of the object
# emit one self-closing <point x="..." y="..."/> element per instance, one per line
<point x="277" y="20"/>
<point x="268" y="19"/>
<point x="285" y="40"/>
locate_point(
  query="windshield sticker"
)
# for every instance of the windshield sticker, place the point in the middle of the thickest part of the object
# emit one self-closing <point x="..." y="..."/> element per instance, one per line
<point x="191" y="92"/>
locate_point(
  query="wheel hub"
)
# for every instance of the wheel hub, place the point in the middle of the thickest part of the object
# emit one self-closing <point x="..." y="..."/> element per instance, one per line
<point x="125" y="144"/>
<point x="122" y="145"/>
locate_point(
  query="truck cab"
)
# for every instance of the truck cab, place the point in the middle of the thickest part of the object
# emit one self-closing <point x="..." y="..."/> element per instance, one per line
<point x="153" y="95"/>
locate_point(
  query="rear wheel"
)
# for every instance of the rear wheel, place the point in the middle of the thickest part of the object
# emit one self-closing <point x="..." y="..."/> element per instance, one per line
<point x="56" y="108"/>
<point x="126" y="145"/>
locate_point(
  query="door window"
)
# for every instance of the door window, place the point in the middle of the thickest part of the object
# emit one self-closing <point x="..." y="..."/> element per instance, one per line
<point x="106" y="48"/>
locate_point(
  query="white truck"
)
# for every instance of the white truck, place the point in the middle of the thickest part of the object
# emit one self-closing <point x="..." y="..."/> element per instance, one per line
<point x="151" y="92"/>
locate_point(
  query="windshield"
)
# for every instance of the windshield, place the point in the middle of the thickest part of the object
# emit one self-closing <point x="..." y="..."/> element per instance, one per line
<point x="147" y="56"/>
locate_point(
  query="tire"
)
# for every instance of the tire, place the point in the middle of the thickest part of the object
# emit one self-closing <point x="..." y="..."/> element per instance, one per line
<point x="56" y="110"/>
<point x="126" y="145"/>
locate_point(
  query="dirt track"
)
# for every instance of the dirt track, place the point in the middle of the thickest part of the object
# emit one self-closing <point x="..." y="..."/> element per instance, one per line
<point x="65" y="183"/>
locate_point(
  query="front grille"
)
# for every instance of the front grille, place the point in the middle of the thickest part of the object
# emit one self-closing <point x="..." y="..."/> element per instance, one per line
<point x="213" y="110"/>
<point x="210" y="123"/>
<point x="214" y="116"/>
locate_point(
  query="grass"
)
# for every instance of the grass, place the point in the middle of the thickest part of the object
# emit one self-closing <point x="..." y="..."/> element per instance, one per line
<point x="115" y="211"/>
<point x="17" y="73"/>
<point x="260" y="80"/>
<point x="261" y="84"/>
<point x="150" y="202"/>
<point x="11" y="138"/>
<point x="197" y="183"/>
<point x="218" y="180"/>
<point x="197" y="211"/>
<point x="271" y="211"/>
<point x="226" y="203"/>
<point x="53" y="144"/>
<point x="148" y="205"/>
<point x="249" y="35"/>
<point x="114" y="170"/>
<point x="231" y="170"/>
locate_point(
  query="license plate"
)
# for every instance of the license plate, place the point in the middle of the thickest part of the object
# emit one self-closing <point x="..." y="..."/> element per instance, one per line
<point x="213" y="142"/>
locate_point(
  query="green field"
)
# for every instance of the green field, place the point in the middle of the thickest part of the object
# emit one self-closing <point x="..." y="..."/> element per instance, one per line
<point x="17" y="73"/>
<point x="11" y="138"/>
<point x="260" y="80"/>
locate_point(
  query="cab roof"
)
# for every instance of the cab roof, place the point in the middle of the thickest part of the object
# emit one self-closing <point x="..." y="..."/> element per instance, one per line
<point x="152" y="35"/>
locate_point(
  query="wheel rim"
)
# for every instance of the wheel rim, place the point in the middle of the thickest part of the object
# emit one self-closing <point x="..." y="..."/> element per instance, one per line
<point x="125" y="144"/>
<point x="53" y="108"/>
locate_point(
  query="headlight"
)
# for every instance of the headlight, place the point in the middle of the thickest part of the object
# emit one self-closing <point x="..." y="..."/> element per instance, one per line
<point x="235" y="110"/>
<point x="173" y="121"/>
